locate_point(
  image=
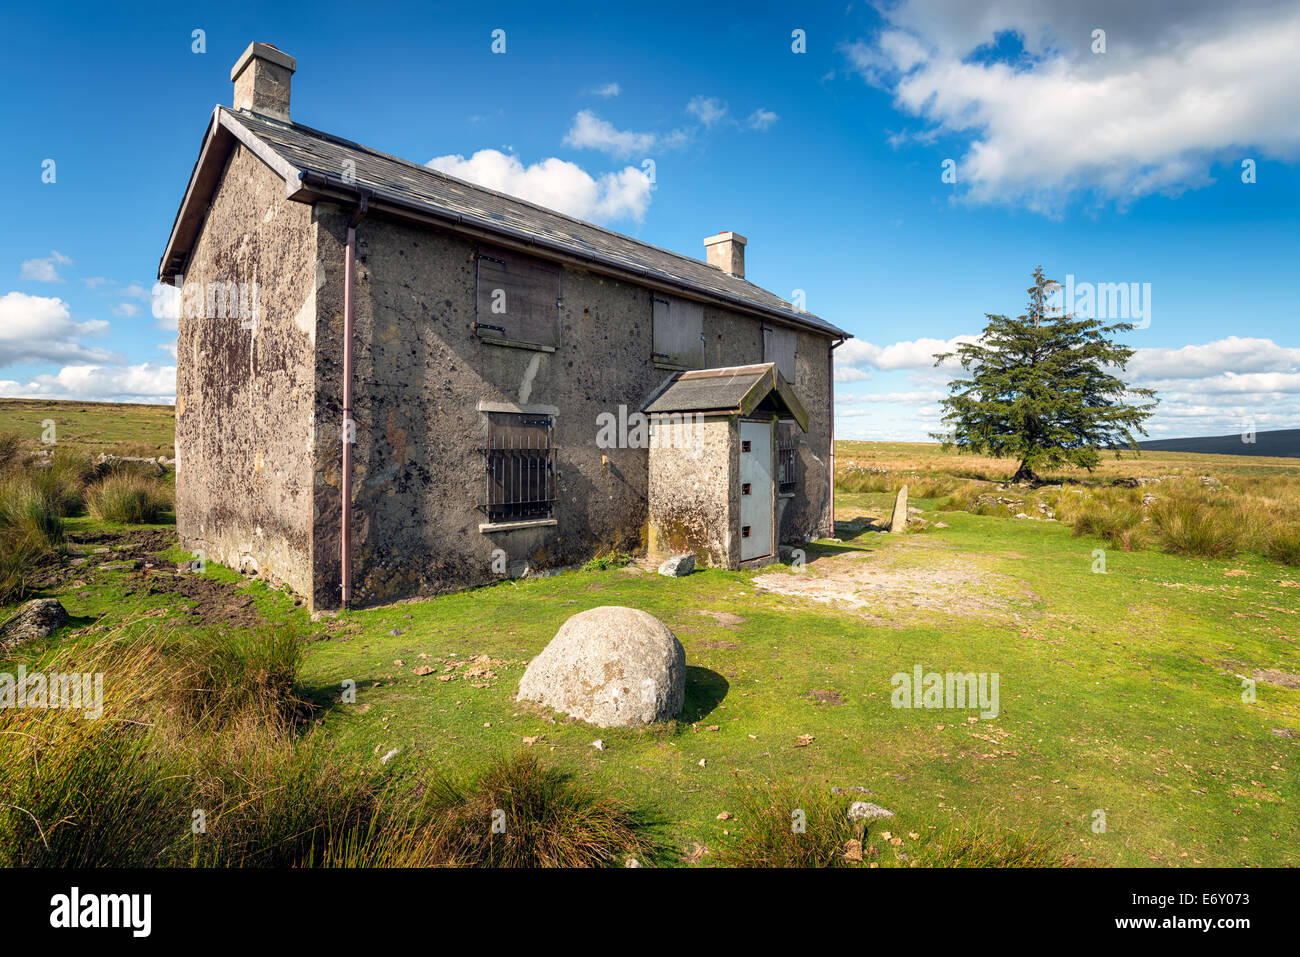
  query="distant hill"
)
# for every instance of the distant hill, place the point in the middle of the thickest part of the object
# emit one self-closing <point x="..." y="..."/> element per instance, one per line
<point x="1284" y="443"/>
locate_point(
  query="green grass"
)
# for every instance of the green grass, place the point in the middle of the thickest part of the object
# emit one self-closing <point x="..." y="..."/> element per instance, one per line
<point x="1120" y="693"/>
<point x="122" y="428"/>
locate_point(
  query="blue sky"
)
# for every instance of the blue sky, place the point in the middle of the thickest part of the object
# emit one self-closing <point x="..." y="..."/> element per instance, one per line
<point x="1122" y="166"/>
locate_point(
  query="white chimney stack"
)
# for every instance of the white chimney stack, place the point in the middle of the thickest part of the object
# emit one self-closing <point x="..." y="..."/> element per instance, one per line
<point x="726" y="251"/>
<point x="261" y="77"/>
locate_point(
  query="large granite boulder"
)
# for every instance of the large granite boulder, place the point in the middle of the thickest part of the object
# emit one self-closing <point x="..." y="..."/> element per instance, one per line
<point x="35" y="619"/>
<point x="610" y="666"/>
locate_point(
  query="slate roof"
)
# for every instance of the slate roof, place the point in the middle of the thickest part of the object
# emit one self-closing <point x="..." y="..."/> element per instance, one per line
<point x="736" y="390"/>
<point x="313" y="162"/>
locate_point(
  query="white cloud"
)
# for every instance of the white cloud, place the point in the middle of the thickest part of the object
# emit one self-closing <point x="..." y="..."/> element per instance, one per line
<point x="41" y="329"/>
<point x="918" y="354"/>
<point x="555" y="184"/>
<point x="709" y="110"/>
<point x="762" y="119"/>
<point x="590" y="132"/>
<point x="47" y="269"/>
<point x="146" y="382"/>
<point x="1179" y="88"/>
<point x="1233" y="353"/>
<point x="126" y="309"/>
<point x="608" y="90"/>
<point x="165" y="304"/>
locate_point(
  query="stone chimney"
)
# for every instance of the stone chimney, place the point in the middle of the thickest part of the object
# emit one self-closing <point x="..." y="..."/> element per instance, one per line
<point x="726" y="251"/>
<point x="261" y="77"/>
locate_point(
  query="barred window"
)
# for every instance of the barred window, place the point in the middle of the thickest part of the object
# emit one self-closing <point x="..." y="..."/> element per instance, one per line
<point x="519" y="462"/>
<point x="785" y="462"/>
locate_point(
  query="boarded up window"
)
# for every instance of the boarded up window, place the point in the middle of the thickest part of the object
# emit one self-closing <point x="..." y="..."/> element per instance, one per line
<point x="678" y="332"/>
<point x="518" y="298"/>
<point x="778" y="347"/>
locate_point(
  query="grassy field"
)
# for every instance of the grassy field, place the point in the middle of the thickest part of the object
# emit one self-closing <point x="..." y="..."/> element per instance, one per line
<point x="117" y="428"/>
<point x="1121" y="693"/>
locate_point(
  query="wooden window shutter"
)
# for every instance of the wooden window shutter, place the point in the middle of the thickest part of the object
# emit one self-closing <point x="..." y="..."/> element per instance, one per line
<point x="779" y="347"/>
<point x="518" y="298"/>
<point x="678" y="331"/>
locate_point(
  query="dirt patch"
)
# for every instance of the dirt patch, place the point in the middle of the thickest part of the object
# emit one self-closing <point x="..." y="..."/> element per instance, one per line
<point x="215" y="603"/>
<point x="879" y="580"/>
<point x="1283" y="679"/>
<point x="825" y="696"/>
<point x="723" y="617"/>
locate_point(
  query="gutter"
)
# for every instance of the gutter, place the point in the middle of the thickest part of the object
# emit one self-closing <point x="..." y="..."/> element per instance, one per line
<point x="349" y="427"/>
<point x="830" y="385"/>
<point x="582" y="258"/>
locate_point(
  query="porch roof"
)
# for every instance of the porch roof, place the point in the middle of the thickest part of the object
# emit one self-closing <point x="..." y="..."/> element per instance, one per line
<point x="735" y="390"/>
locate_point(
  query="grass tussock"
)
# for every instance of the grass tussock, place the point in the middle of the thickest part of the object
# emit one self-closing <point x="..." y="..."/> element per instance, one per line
<point x="768" y="836"/>
<point x="202" y="757"/>
<point x="128" y="497"/>
<point x="790" y="824"/>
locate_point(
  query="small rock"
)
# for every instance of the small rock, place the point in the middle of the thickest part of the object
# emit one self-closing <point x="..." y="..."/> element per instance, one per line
<point x="632" y="862"/>
<point x="678" y="566"/>
<point x="866" y="811"/>
<point x="422" y="670"/>
<point x="387" y="757"/>
<point x="396" y="632"/>
<point x="853" y="851"/>
<point x="940" y="524"/>
<point x="725" y="816"/>
<point x="598" y="744"/>
<point x="898" y="520"/>
<point x="35" y="619"/>
<point x="703" y="762"/>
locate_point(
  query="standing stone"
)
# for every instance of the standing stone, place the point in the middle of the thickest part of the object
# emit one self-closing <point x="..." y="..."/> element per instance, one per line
<point x="610" y="666"/>
<point x="898" y="521"/>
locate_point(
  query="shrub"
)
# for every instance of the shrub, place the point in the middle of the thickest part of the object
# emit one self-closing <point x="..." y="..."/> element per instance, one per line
<point x="128" y="497"/>
<point x="62" y="481"/>
<point x="605" y="560"/>
<point x="550" y="820"/>
<point x="11" y="450"/>
<point x="1284" y="545"/>
<point x="1191" y="527"/>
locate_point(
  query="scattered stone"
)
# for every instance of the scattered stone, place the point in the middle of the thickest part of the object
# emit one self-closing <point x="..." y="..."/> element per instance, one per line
<point x="35" y="619"/>
<point x="803" y="740"/>
<point x="632" y="862"/>
<point x="1285" y="733"/>
<point x="825" y="696"/>
<point x="1021" y="515"/>
<point x="725" y="816"/>
<point x="866" y="811"/>
<point x="678" y="566"/>
<point x="853" y="851"/>
<point x="856" y="789"/>
<point x="940" y="524"/>
<point x="898" y="520"/>
<point x="389" y="756"/>
<point x="703" y="762"/>
<point x="611" y="666"/>
<point x="423" y="670"/>
<point x="396" y="632"/>
<point x="598" y="744"/>
<point x="534" y="739"/>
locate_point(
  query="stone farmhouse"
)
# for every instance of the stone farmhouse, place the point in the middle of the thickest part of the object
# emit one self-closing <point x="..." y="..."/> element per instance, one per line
<point x="393" y="383"/>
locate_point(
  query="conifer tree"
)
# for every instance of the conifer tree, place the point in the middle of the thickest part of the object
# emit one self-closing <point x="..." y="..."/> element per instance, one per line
<point x="1041" y="388"/>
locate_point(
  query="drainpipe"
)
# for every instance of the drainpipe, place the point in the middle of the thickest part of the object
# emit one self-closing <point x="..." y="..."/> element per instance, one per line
<point x="349" y="305"/>
<point x="830" y="378"/>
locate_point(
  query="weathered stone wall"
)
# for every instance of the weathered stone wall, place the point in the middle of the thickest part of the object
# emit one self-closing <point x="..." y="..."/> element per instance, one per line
<point x="421" y="377"/>
<point x="806" y="515"/>
<point x="244" y="396"/>
<point x="693" y="499"/>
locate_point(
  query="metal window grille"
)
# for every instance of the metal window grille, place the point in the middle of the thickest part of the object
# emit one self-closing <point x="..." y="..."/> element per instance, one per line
<point x="785" y="466"/>
<point x="519" y="466"/>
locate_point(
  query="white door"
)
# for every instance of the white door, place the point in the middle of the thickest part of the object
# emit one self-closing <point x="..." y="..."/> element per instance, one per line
<point x="755" y="490"/>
